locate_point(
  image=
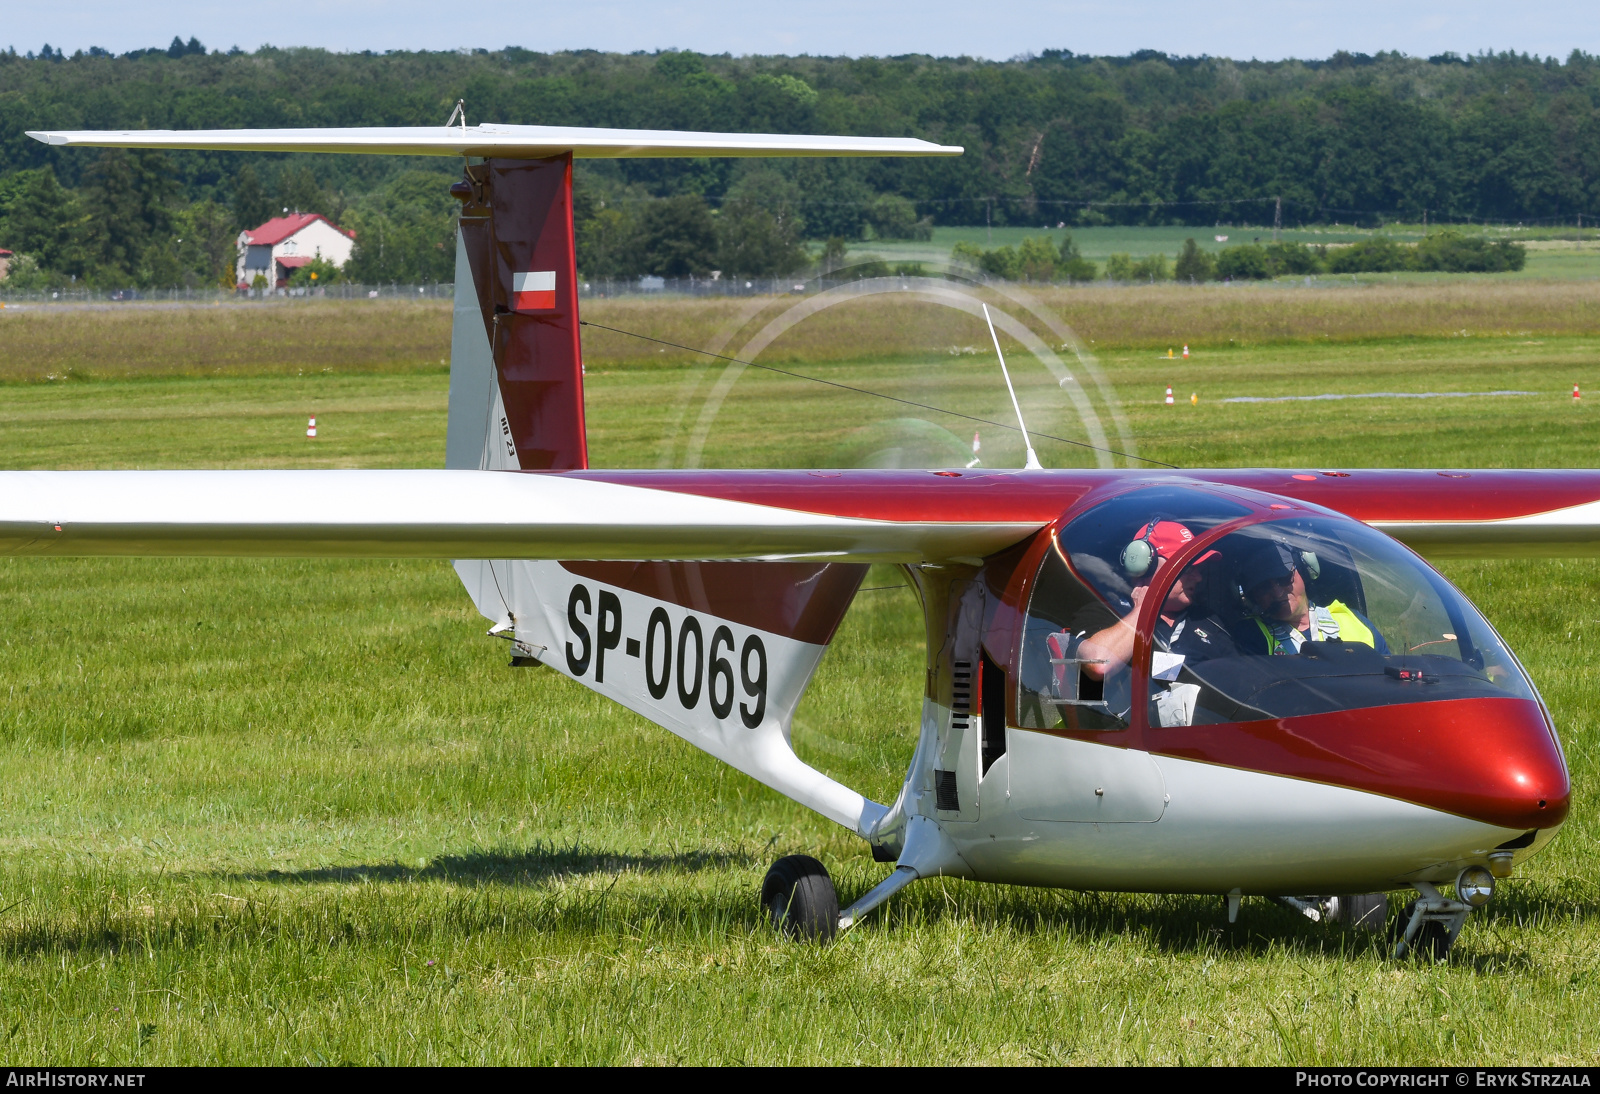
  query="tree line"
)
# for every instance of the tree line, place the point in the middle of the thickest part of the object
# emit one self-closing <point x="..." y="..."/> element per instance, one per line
<point x="1039" y="258"/>
<point x="1052" y="139"/>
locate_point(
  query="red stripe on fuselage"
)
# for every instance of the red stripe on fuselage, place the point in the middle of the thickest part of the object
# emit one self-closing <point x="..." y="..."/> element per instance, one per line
<point x="800" y="600"/>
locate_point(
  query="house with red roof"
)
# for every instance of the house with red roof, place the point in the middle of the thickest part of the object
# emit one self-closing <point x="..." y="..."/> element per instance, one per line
<point x="284" y="244"/>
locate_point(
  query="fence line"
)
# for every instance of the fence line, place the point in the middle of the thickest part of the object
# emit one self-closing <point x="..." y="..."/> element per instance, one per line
<point x="441" y="291"/>
<point x="598" y="288"/>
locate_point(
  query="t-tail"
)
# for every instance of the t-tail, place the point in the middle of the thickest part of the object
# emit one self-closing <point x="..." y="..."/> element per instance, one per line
<point x="717" y="652"/>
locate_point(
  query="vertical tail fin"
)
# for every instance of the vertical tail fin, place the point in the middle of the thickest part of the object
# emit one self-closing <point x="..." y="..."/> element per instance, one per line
<point x="516" y="372"/>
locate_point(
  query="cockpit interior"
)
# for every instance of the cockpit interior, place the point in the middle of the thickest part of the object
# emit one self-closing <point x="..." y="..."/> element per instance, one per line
<point x="1214" y="609"/>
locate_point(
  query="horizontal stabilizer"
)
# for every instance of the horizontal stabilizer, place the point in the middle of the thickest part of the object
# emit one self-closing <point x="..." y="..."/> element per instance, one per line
<point x="443" y="514"/>
<point x="524" y="142"/>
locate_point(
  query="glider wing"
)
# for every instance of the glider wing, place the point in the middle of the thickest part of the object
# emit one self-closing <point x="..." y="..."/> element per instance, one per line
<point x="445" y="514"/>
<point x="515" y="142"/>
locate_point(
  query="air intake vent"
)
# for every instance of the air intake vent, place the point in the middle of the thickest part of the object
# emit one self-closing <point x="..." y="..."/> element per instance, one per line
<point x="944" y="791"/>
<point x="1524" y="840"/>
<point x="961" y="695"/>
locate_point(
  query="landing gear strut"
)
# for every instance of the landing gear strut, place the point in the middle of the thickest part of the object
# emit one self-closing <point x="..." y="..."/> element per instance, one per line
<point x="1431" y="923"/>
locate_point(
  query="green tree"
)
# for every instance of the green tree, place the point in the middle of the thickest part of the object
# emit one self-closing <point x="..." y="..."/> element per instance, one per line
<point x="1002" y="262"/>
<point x="41" y="219"/>
<point x="1375" y="254"/>
<point x="127" y="226"/>
<point x="24" y="274"/>
<point x="754" y="242"/>
<point x="966" y="253"/>
<point x="893" y="217"/>
<point x="1121" y="267"/>
<point x="1037" y="259"/>
<point x="1070" y="262"/>
<point x="767" y="189"/>
<point x="406" y="232"/>
<point x="318" y="273"/>
<point x="207" y="244"/>
<point x="1152" y="268"/>
<point x="1293" y="258"/>
<point x="676" y="237"/>
<point x="251" y="206"/>
<point x="838" y="201"/>
<point x="1454" y="252"/>
<point x="1243" y="262"/>
<point x="832" y="256"/>
<point x="1193" y="264"/>
<point x="300" y="192"/>
<point x="605" y="243"/>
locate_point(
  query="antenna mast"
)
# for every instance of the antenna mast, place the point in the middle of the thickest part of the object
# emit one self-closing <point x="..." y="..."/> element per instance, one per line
<point x="1032" y="463"/>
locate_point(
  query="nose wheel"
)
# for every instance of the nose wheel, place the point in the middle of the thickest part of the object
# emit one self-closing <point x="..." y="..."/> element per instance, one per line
<point x="1430" y="924"/>
<point x="799" y="897"/>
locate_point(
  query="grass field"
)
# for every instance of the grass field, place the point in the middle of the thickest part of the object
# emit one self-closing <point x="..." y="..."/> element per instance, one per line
<point x="301" y="811"/>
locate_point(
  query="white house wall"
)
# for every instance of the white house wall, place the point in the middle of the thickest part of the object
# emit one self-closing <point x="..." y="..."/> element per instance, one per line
<point x="317" y="237"/>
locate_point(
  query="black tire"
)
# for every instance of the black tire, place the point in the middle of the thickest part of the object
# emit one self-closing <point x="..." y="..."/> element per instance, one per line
<point x="1364" y="911"/>
<point x="799" y="896"/>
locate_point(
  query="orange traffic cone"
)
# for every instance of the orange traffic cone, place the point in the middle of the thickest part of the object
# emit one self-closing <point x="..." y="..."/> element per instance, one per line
<point x="1575" y="395"/>
<point x="1169" y="394"/>
<point x="1185" y="353"/>
<point x="311" y="427"/>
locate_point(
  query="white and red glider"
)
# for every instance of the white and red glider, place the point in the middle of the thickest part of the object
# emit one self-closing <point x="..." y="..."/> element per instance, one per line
<point x="1401" y="746"/>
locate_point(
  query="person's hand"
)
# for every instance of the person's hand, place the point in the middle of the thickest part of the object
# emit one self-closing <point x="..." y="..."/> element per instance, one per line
<point x="1137" y="596"/>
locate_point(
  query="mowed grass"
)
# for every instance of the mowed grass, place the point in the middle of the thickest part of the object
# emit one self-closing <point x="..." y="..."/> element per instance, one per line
<point x="302" y="811"/>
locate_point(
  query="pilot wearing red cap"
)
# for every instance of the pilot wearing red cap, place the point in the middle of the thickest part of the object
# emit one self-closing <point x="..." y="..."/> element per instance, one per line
<point x="1102" y="643"/>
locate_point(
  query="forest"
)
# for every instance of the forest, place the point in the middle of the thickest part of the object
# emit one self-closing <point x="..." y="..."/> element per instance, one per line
<point x="1052" y="138"/>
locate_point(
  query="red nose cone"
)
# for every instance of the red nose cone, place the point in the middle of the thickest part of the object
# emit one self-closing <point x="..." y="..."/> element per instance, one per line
<point x="1493" y="760"/>
<point x="1526" y="784"/>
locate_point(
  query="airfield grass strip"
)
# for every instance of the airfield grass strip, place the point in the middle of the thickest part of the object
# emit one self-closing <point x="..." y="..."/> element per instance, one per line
<point x="300" y="337"/>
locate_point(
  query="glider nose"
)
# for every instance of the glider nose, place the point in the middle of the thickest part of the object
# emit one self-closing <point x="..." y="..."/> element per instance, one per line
<point x="1522" y="779"/>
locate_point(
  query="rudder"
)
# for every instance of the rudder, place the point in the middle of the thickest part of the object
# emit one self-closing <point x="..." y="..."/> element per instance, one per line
<point x="516" y="368"/>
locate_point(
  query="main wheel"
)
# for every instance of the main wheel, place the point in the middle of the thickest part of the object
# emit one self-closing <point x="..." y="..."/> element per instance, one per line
<point x="799" y="896"/>
<point x="1363" y="911"/>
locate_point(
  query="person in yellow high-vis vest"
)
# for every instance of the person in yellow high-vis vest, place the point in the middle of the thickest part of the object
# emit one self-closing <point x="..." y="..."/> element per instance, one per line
<point x="1273" y="578"/>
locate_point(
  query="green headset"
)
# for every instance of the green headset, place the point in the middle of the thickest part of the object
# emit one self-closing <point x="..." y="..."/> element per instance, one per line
<point x="1139" y="555"/>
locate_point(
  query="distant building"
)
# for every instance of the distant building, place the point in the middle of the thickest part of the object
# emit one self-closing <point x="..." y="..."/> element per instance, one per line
<point x="5" y="264"/>
<point x="283" y="244"/>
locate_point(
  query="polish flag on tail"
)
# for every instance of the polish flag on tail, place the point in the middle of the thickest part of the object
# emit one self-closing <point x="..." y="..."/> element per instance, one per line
<point x="533" y="291"/>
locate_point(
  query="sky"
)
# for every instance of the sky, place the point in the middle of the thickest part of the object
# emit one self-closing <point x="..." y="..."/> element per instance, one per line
<point x="997" y="30"/>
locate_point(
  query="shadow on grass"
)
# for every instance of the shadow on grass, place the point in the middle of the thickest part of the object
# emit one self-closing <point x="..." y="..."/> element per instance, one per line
<point x="488" y="890"/>
<point x="529" y="867"/>
<point x="1198" y="924"/>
